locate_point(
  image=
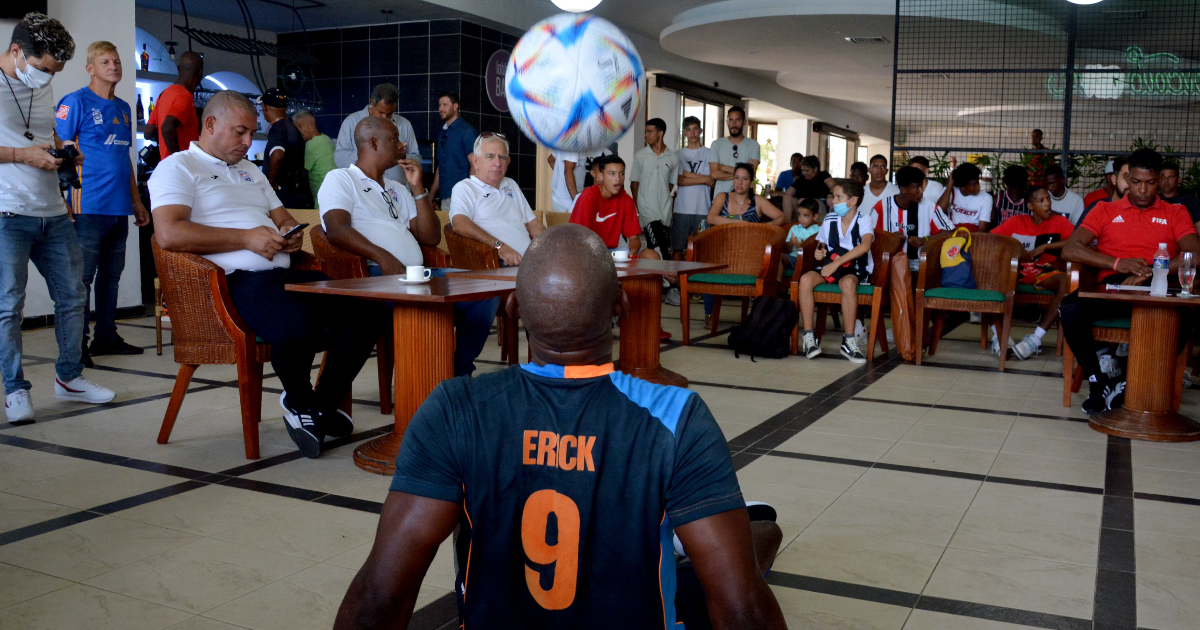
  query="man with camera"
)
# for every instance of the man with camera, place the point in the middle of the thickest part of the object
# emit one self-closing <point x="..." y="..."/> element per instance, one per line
<point x="34" y="222"/>
<point x="100" y="124"/>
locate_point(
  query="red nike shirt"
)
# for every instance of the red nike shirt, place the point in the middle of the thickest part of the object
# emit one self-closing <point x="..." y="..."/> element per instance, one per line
<point x="610" y="218"/>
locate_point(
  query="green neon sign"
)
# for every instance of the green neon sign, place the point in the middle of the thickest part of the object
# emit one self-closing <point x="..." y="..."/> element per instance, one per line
<point x="1153" y="76"/>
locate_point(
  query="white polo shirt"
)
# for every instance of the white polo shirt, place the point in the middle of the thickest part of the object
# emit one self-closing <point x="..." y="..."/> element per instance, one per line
<point x="351" y="190"/>
<point x="220" y="195"/>
<point x="655" y="175"/>
<point x="501" y="211"/>
<point x="559" y="195"/>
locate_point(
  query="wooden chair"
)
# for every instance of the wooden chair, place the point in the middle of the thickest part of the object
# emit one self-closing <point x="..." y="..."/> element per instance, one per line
<point x="468" y="253"/>
<point x="207" y="330"/>
<point x="340" y="264"/>
<point x="444" y="217"/>
<point x="1029" y="295"/>
<point x="994" y="264"/>
<point x="873" y="294"/>
<point x="751" y="252"/>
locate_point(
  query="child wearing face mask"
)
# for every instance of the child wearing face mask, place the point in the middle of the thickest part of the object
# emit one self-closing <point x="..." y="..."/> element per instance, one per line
<point x="844" y="255"/>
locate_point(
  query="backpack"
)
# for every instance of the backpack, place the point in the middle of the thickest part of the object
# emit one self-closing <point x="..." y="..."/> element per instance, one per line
<point x="767" y="331"/>
<point x="957" y="272"/>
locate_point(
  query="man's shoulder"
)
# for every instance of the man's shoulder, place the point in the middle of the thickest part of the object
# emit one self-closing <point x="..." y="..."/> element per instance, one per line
<point x="71" y="98"/>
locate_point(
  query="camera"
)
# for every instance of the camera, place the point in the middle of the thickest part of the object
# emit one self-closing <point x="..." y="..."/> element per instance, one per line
<point x="67" y="176"/>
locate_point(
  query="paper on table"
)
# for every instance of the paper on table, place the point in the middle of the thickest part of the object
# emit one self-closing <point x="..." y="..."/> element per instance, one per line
<point x="1126" y="287"/>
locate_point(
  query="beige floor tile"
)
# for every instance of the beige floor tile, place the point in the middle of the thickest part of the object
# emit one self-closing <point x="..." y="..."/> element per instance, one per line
<point x="94" y="486"/>
<point x="958" y="437"/>
<point x="801" y="473"/>
<point x="308" y="599"/>
<point x="1169" y="482"/>
<point x="1028" y="538"/>
<point x="940" y="457"/>
<point x="803" y="610"/>
<point x="1163" y="554"/>
<point x="18" y="585"/>
<point x="1061" y="506"/>
<point x="19" y="466"/>
<point x="200" y="576"/>
<point x="209" y="510"/>
<point x="1167" y="603"/>
<point x="975" y="400"/>
<point x="896" y="485"/>
<point x="88" y="549"/>
<point x="841" y="423"/>
<point x="927" y="620"/>
<point x="373" y="488"/>
<point x="1165" y="458"/>
<point x="16" y="511"/>
<point x="863" y="409"/>
<point x="1166" y="518"/>
<point x="796" y="507"/>
<point x="882" y="518"/>
<point x="1062" y="448"/>
<point x="879" y="391"/>
<point x="835" y="445"/>
<point x="330" y="472"/>
<point x="311" y="530"/>
<point x="204" y="623"/>
<point x="79" y="606"/>
<point x="886" y="563"/>
<point x="968" y="419"/>
<point x="1023" y="583"/>
<point x="1051" y="469"/>
<point x="1058" y="428"/>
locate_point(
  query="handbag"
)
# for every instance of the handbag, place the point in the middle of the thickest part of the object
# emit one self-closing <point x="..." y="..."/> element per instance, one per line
<point x="957" y="271"/>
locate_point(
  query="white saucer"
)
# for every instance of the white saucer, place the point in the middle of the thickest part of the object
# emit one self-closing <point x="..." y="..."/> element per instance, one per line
<point x="407" y="281"/>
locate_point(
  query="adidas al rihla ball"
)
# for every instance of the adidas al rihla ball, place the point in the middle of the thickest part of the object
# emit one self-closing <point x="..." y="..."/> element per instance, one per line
<point x="574" y="83"/>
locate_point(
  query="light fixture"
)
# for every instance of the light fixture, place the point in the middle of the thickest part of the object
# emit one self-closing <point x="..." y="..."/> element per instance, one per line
<point x="1083" y="1"/>
<point x="576" y="6"/>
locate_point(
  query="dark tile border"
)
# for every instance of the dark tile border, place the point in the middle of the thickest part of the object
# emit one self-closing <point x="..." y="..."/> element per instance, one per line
<point x="1115" y="601"/>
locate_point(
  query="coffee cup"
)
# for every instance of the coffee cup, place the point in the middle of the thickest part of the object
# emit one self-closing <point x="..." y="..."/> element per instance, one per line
<point x="417" y="273"/>
<point x="621" y="255"/>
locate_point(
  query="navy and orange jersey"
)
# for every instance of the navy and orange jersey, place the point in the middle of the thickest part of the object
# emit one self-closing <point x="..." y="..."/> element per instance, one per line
<point x="571" y="481"/>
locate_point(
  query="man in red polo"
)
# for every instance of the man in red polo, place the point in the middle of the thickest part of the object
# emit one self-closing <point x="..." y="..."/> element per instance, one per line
<point x="607" y="209"/>
<point x="1127" y="233"/>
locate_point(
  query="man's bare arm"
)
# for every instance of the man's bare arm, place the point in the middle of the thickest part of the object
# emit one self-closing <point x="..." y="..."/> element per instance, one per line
<point x="721" y="548"/>
<point x="534" y="227"/>
<point x="175" y="231"/>
<point x="275" y="166"/>
<point x="720" y="172"/>
<point x="633" y="192"/>
<point x="694" y="179"/>
<point x="383" y="594"/>
<point x="170" y="133"/>
<point x="569" y="175"/>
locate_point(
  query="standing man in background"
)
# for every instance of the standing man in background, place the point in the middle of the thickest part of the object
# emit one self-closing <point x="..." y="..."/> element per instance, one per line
<point x="1038" y="161"/>
<point x="694" y="197"/>
<point x="101" y="125"/>
<point x="877" y="188"/>
<point x="1062" y="200"/>
<point x="727" y="152"/>
<point x="318" y="152"/>
<point x="285" y="153"/>
<point x="566" y="180"/>
<point x="384" y="98"/>
<point x="34" y="226"/>
<point x="455" y="143"/>
<point x="785" y="179"/>
<point x="173" y="122"/>
<point x="655" y="171"/>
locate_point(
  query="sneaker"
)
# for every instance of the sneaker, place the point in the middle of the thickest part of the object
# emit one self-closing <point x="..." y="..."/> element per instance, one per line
<point x="82" y="390"/>
<point x="166" y="315"/>
<point x="1114" y="396"/>
<point x="1110" y="366"/>
<point x="18" y="406"/>
<point x="1029" y="346"/>
<point x="1104" y="394"/>
<point x="851" y="352"/>
<point x="672" y="297"/>
<point x="860" y="333"/>
<point x="302" y="428"/>
<point x="976" y="318"/>
<point x="1122" y="350"/>
<point x="336" y="424"/>
<point x="812" y="347"/>
<point x="996" y="343"/>
<point x="114" y="347"/>
<point x="663" y="335"/>
<point x="85" y="357"/>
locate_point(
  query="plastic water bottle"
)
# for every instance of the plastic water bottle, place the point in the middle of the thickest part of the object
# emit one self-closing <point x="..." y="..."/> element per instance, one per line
<point x="1162" y="265"/>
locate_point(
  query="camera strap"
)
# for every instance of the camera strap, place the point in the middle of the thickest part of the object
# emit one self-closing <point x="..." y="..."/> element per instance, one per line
<point x="27" y="121"/>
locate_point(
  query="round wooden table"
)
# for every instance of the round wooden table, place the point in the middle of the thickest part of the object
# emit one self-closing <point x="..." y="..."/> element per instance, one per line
<point x="1151" y="409"/>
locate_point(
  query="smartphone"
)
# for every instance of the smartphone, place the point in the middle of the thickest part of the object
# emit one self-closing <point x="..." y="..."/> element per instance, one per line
<point x="295" y="230"/>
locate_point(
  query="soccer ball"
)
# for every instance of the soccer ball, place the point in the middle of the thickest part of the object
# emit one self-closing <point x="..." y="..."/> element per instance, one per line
<point x="574" y="83"/>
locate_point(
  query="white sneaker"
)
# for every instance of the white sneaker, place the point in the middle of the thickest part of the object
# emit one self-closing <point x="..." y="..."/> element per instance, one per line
<point x="812" y="347"/>
<point x="82" y="390"/>
<point x="672" y="297"/>
<point x="1110" y="366"/>
<point x="1029" y="346"/>
<point x="18" y="406"/>
<point x="860" y="333"/>
<point x="976" y="318"/>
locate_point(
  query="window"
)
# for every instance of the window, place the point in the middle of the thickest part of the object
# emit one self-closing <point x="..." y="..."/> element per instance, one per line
<point x="837" y="148"/>
<point x="711" y="120"/>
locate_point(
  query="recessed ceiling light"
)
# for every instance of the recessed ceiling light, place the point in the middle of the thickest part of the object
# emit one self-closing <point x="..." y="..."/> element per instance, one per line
<point x="1083" y="1"/>
<point x="576" y="6"/>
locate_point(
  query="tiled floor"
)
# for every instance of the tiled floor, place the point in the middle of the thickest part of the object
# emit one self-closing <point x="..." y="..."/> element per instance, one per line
<point x="944" y="496"/>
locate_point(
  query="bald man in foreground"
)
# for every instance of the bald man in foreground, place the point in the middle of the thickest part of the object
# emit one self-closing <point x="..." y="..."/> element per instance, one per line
<point x="209" y="200"/>
<point x="566" y="479"/>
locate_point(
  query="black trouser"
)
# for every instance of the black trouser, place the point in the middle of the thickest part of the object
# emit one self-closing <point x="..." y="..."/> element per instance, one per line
<point x="1079" y="316"/>
<point x="298" y="325"/>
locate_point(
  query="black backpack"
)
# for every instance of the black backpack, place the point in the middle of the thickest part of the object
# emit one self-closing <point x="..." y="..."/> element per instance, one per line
<point x="767" y="332"/>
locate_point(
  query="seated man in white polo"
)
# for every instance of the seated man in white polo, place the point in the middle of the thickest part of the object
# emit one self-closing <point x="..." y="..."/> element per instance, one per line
<point x="209" y="200"/>
<point x="377" y="218"/>
<point x="489" y="207"/>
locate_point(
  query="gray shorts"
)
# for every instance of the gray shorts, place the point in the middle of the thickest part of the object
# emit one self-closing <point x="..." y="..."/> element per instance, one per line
<point x="683" y="226"/>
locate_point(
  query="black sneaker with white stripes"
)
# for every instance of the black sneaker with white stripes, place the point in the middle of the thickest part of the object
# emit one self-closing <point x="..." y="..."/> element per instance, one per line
<point x="335" y="424"/>
<point x="850" y="350"/>
<point x="302" y="428"/>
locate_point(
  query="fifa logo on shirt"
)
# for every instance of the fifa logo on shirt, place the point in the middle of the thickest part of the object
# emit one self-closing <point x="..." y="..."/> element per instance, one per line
<point x="1158" y="220"/>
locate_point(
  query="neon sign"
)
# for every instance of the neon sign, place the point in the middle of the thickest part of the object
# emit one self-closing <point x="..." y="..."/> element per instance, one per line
<point x="1154" y="76"/>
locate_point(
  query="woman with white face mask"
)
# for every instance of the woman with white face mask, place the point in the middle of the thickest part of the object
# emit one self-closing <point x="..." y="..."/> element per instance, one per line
<point x="34" y="224"/>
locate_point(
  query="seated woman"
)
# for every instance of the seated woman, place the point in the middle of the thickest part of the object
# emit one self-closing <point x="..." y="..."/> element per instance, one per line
<point x="742" y="204"/>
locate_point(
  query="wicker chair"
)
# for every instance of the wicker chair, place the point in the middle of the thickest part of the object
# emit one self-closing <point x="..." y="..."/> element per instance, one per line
<point x="207" y="330"/>
<point x="994" y="263"/>
<point x="751" y="254"/>
<point x="1029" y="295"/>
<point x="468" y="253"/>
<point x="874" y="293"/>
<point x="340" y="264"/>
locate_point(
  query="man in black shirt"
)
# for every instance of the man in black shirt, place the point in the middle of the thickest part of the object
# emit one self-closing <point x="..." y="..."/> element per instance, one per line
<point x="284" y="166"/>
<point x="1168" y="189"/>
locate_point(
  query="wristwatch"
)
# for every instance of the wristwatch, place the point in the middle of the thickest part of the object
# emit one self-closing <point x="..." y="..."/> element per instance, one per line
<point x="497" y="245"/>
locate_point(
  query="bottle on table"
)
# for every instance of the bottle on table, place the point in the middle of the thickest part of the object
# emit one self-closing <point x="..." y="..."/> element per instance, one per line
<point x="1162" y="266"/>
<point x="145" y="58"/>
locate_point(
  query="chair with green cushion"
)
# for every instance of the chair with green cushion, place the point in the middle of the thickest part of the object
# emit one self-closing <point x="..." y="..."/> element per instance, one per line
<point x="874" y="294"/>
<point x="750" y="252"/>
<point x="994" y="265"/>
<point x="1106" y="331"/>
<point x="1028" y="294"/>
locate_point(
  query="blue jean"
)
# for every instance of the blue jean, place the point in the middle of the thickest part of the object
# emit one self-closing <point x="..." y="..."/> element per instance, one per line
<point x="102" y="239"/>
<point x="54" y="249"/>
<point x="472" y="326"/>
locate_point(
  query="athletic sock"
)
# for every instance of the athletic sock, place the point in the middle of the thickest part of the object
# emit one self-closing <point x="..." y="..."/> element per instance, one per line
<point x="1039" y="332"/>
<point x="809" y="332"/>
<point x="845" y="336"/>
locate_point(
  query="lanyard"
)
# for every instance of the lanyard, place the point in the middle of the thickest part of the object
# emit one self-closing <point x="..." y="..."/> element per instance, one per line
<point x="27" y="121"/>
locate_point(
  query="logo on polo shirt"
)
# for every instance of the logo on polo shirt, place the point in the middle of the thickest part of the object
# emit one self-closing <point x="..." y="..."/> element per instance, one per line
<point x="62" y="112"/>
<point x="395" y="197"/>
<point x="1119" y="219"/>
<point x="245" y="176"/>
<point x="508" y="192"/>
<point x="1159" y="220"/>
<point x="97" y="117"/>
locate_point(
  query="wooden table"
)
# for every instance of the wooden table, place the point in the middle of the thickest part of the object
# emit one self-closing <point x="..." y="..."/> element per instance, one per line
<point x="423" y="325"/>
<point x="1151" y="411"/>
<point x="642" y="281"/>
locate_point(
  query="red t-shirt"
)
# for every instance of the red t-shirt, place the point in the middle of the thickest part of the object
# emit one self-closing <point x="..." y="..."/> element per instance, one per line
<point x="176" y="101"/>
<point x="1095" y="195"/>
<point x="1124" y="231"/>
<point x="1021" y="227"/>
<point x="610" y="218"/>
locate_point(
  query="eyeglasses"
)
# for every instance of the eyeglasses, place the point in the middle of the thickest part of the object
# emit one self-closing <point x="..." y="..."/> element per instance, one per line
<point x="489" y="134"/>
<point x="735" y="150"/>
<point x="391" y="206"/>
